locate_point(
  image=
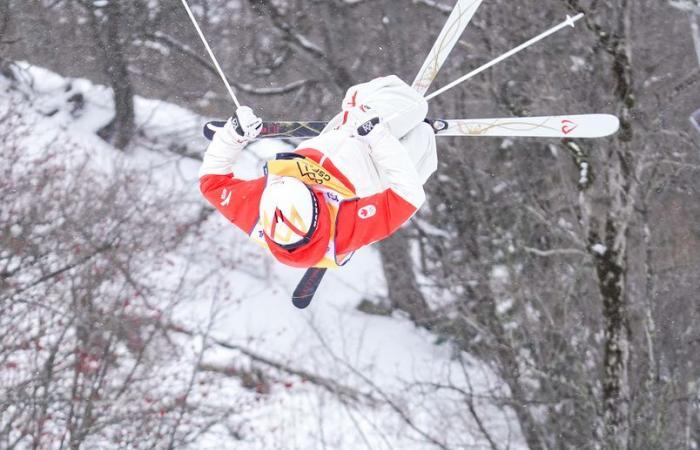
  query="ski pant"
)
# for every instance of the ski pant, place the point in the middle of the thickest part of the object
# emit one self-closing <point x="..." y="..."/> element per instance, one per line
<point x="404" y="110"/>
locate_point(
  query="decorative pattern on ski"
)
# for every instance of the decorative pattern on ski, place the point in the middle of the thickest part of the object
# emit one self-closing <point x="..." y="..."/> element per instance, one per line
<point x="275" y="130"/>
<point x="574" y="126"/>
<point x="292" y="129"/>
<point x="458" y="20"/>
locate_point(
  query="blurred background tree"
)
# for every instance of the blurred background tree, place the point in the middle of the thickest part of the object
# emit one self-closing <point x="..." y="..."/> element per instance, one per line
<point x="569" y="267"/>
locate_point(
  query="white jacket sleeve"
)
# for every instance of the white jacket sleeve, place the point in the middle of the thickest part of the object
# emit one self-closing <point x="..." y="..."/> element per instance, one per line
<point x="396" y="168"/>
<point x="359" y="94"/>
<point x="222" y="152"/>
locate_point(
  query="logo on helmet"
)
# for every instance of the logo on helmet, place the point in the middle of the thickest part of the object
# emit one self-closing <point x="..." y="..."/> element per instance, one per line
<point x="288" y="211"/>
<point x="294" y="225"/>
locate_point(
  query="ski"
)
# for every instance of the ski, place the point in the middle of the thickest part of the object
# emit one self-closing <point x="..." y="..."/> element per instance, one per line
<point x="305" y="290"/>
<point x="457" y="22"/>
<point x="568" y="22"/>
<point x="275" y="130"/>
<point x="572" y="126"/>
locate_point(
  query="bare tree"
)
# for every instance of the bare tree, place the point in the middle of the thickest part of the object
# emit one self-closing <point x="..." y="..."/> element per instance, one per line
<point x="108" y="21"/>
<point x="546" y="266"/>
<point x="567" y="267"/>
<point x="84" y="352"/>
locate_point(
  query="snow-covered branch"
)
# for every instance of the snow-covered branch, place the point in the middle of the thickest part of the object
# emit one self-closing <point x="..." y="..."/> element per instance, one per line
<point x="339" y="74"/>
<point x="555" y="252"/>
<point x="291" y="87"/>
<point x="552" y="226"/>
<point x="332" y="386"/>
<point x="202" y="61"/>
<point x="433" y="4"/>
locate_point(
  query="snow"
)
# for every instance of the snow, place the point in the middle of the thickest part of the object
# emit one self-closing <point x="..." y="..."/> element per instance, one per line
<point x="578" y="63"/>
<point x="247" y="294"/>
<point x="500" y="187"/>
<point x="583" y="173"/>
<point x="500" y="274"/>
<point x="599" y="249"/>
<point x="431" y="229"/>
<point x="562" y="222"/>
<point x="506" y="144"/>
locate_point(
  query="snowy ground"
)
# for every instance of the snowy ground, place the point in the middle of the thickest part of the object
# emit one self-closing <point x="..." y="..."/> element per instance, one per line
<point x="390" y="366"/>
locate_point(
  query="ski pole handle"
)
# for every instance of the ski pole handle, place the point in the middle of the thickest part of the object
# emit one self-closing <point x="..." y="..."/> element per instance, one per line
<point x="213" y="126"/>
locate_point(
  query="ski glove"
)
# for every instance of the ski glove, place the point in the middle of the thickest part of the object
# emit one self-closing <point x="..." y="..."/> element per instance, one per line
<point x="367" y="126"/>
<point x="244" y="125"/>
<point x="228" y="141"/>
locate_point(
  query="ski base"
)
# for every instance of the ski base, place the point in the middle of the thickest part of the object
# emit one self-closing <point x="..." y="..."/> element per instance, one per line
<point x="305" y="290"/>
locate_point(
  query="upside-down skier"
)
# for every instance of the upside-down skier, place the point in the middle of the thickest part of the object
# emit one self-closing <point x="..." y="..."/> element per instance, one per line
<point x="336" y="192"/>
<point x="362" y="177"/>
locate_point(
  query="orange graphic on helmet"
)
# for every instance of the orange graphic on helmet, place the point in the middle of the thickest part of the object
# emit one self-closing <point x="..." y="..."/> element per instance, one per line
<point x="294" y="225"/>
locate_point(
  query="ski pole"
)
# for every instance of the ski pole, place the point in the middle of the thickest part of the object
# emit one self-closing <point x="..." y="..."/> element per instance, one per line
<point x="568" y="22"/>
<point x="211" y="54"/>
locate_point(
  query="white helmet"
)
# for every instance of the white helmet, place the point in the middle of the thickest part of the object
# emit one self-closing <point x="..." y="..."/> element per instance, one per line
<point x="289" y="212"/>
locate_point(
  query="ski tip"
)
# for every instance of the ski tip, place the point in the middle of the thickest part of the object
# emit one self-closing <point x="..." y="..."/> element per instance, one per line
<point x="600" y="125"/>
<point x="572" y="20"/>
<point x="301" y="302"/>
<point x="307" y="286"/>
<point x="614" y="125"/>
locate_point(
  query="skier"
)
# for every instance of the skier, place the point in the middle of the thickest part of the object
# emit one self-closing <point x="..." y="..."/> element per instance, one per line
<point x="336" y="192"/>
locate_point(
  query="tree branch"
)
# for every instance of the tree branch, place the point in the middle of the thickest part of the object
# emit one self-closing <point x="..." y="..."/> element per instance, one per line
<point x="186" y="50"/>
<point x="331" y="386"/>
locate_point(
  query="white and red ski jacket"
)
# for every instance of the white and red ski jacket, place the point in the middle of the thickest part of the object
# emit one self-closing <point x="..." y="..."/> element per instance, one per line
<point x="388" y="188"/>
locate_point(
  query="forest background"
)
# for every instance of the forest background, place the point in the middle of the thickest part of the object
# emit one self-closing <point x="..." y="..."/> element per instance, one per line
<point x="567" y="268"/>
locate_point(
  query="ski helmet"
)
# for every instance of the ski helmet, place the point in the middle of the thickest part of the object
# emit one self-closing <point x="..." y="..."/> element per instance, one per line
<point x="289" y="212"/>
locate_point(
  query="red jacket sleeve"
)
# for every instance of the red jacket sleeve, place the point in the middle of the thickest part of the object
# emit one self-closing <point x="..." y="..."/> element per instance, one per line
<point x="366" y="220"/>
<point x="236" y="199"/>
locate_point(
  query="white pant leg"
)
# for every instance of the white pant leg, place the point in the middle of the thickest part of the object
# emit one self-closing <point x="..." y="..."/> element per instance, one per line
<point x="420" y="144"/>
<point x="388" y="96"/>
<point x="391" y="99"/>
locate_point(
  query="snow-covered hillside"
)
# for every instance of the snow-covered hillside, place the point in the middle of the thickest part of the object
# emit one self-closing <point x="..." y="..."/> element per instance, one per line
<point x="329" y="376"/>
